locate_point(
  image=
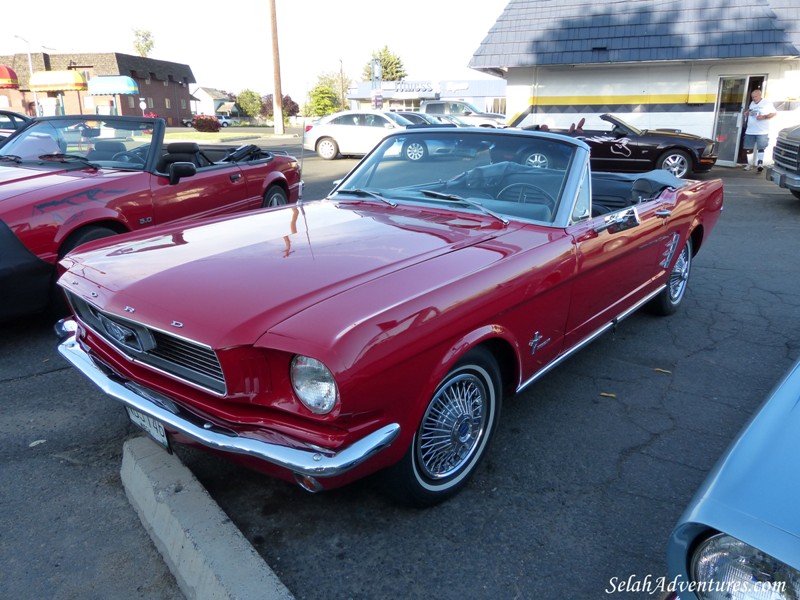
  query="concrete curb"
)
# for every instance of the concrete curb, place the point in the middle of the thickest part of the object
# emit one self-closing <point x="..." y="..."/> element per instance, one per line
<point x="206" y="553"/>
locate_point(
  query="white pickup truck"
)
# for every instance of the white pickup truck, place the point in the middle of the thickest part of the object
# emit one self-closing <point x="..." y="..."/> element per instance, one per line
<point x="464" y="111"/>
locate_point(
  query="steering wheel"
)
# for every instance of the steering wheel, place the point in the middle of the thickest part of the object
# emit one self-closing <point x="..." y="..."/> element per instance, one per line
<point x="128" y="157"/>
<point x="526" y="193"/>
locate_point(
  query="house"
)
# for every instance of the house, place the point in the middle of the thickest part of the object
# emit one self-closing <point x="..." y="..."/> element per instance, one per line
<point x="61" y="84"/>
<point x="209" y="101"/>
<point x="678" y="64"/>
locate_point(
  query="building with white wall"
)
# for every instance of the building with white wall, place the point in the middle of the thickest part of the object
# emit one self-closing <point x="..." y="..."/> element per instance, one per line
<point x="679" y="64"/>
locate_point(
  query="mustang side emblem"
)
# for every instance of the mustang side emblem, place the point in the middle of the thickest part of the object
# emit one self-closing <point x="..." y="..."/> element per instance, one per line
<point x="537" y="342"/>
<point x="176" y="324"/>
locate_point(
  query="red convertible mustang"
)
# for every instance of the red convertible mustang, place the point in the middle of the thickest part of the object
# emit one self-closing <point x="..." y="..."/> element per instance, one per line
<point x="68" y="180"/>
<point x="381" y="327"/>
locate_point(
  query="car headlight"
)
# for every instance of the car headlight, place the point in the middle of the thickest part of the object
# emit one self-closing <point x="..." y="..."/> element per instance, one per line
<point x="724" y="568"/>
<point x="314" y="384"/>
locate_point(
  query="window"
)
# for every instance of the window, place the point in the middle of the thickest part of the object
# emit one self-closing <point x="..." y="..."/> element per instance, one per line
<point x="131" y="102"/>
<point x="167" y="103"/>
<point x="150" y="103"/>
<point x="183" y="102"/>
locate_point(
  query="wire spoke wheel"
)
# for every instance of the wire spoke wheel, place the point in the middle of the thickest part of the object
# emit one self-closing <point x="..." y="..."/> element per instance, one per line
<point x="452" y="426"/>
<point x="679" y="276"/>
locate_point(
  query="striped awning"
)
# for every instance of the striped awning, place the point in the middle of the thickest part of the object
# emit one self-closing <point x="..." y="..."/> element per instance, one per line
<point x="111" y="85"/>
<point x="8" y="78"/>
<point x="58" y="81"/>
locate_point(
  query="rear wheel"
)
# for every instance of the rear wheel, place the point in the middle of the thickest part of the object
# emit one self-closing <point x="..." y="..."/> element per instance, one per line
<point x="415" y="151"/>
<point x="453" y="434"/>
<point x="537" y="160"/>
<point x="274" y="196"/>
<point x="327" y="148"/>
<point x="668" y="301"/>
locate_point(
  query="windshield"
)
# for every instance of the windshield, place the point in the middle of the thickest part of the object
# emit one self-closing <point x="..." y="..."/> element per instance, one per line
<point x="510" y="173"/>
<point x="101" y="141"/>
<point x="399" y="119"/>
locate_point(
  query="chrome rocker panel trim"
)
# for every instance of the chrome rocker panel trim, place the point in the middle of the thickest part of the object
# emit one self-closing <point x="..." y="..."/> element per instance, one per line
<point x="314" y="463"/>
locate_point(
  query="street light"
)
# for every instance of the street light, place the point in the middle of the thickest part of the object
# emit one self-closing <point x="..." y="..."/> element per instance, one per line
<point x="30" y="68"/>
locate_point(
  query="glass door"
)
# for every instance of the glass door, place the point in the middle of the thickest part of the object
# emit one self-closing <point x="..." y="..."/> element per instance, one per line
<point x="728" y="126"/>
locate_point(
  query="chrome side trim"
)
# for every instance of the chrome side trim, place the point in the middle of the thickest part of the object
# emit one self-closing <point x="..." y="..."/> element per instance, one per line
<point x="316" y="463"/>
<point x="586" y="341"/>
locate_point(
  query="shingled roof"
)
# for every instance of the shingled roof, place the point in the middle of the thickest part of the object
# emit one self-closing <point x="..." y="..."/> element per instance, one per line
<point x="569" y="32"/>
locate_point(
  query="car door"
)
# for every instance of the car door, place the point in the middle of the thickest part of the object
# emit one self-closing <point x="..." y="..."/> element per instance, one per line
<point x="618" y="265"/>
<point x="214" y="190"/>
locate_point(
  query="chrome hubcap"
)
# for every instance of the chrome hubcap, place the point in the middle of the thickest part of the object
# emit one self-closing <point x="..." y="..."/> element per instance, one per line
<point x="452" y="426"/>
<point x="679" y="275"/>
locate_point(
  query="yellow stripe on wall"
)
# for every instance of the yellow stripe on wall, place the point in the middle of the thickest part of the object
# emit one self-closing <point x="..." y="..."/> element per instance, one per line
<point x="628" y="99"/>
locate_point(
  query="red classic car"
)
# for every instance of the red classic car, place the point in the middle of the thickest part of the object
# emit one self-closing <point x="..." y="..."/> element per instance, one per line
<point x="381" y="327"/>
<point x="67" y="180"/>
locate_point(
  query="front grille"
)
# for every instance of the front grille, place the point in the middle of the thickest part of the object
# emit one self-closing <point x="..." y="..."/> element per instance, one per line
<point x="183" y="359"/>
<point x="787" y="154"/>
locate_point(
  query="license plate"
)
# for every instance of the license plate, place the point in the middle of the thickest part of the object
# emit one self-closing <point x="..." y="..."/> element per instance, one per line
<point x="151" y="426"/>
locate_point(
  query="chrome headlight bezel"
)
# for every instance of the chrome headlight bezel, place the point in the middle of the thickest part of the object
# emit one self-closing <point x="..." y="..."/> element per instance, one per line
<point x="314" y="384"/>
<point x="731" y="568"/>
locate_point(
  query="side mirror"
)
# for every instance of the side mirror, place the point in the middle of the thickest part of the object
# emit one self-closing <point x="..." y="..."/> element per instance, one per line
<point x="178" y="170"/>
<point x="620" y="221"/>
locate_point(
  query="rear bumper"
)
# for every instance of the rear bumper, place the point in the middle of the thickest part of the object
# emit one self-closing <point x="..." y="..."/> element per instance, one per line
<point x="315" y="463"/>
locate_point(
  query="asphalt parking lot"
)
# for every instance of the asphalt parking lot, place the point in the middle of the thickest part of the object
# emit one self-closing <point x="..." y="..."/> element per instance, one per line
<point x="590" y="468"/>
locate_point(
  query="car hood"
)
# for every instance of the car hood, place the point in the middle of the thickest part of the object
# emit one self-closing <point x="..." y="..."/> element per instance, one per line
<point x="752" y="491"/>
<point x="791" y="133"/>
<point x="227" y="281"/>
<point x="18" y="180"/>
<point x="674" y="135"/>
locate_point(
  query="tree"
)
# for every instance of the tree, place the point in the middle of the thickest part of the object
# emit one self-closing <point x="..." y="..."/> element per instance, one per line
<point x="391" y="66"/>
<point x="323" y="101"/>
<point x="143" y="41"/>
<point x="338" y="82"/>
<point x="290" y="107"/>
<point x="250" y="102"/>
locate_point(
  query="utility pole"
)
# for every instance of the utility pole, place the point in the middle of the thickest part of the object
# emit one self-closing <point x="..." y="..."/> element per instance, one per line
<point x="277" y="96"/>
<point x="341" y="85"/>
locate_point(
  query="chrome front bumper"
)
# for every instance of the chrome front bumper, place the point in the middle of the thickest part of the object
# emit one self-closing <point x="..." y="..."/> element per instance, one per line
<point x="309" y="463"/>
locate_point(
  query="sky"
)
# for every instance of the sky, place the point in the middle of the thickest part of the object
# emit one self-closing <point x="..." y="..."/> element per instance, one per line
<point x="231" y="48"/>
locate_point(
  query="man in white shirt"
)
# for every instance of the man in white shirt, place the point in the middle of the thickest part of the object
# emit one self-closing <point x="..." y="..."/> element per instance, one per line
<point x="756" y="134"/>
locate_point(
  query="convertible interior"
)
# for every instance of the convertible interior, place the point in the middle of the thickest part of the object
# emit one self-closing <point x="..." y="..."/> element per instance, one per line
<point x="532" y="193"/>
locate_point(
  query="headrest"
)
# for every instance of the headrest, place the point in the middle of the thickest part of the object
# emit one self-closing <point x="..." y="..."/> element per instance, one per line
<point x="109" y="146"/>
<point x="183" y="148"/>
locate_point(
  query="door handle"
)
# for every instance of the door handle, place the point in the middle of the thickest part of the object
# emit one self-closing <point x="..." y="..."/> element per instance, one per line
<point x="663" y="213"/>
<point x="235" y="176"/>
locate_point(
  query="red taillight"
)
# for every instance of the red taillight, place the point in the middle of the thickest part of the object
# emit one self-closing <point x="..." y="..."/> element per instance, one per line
<point x="309" y="128"/>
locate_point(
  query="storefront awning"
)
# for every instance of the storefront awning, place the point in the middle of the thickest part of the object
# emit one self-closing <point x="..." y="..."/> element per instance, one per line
<point x="111" y="85"/>
<point x="58" y="81"/>
<point x="8" y="78"/>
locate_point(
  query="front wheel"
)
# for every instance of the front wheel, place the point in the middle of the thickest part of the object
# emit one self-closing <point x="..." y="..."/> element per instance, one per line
<point x="668" y="301"/>
<point x="795" y="193"/>
<point x="327" y="148"/>
<point x="453" y="434"/>
<point x="676" y="162"/>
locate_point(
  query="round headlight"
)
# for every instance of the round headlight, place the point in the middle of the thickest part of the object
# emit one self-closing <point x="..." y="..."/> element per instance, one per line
<point x="724" y="568"/>
<point x="314" y="384"/>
